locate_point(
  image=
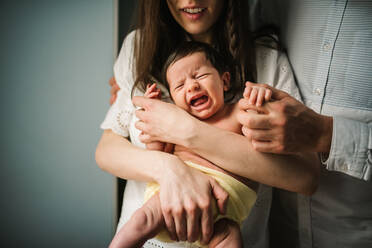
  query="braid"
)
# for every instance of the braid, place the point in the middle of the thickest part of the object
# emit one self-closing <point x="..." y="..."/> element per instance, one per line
<point x="233" y="34"/>
<point x="233" y="42"/>
<point x="240" y="43"/>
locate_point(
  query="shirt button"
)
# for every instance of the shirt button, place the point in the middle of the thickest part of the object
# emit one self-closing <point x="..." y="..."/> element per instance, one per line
<point x="326" y="46"/>
<point x="317" y="91"/>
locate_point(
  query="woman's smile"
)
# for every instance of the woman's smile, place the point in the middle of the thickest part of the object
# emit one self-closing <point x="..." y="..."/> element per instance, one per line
<point x="196" y="17"/>
<point x="193" y="13"/>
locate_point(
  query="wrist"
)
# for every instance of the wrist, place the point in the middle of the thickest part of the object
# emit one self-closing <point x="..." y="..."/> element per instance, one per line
<point x="325" y="135"/>
<point x="165" y="163"/>
<point x="191" y="133"/>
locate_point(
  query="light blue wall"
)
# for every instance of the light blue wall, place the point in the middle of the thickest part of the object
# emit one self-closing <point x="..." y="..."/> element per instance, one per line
<point x="56" y="57"/>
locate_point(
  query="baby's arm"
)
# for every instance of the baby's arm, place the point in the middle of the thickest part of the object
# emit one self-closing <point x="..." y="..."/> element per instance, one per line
<point x="155" y="93"/>
<point x="257" y="95"/>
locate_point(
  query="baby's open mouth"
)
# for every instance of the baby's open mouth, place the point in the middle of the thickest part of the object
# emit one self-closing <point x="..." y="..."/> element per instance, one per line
<point x="199" y="101"/>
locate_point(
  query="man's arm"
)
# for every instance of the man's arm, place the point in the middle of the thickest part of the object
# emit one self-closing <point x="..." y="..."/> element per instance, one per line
<point x="288" y="126"/>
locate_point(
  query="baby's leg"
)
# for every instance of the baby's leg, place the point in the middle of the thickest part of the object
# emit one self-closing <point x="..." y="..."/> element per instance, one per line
<point x="144" y="224"/>
<point x="226" y="234"/>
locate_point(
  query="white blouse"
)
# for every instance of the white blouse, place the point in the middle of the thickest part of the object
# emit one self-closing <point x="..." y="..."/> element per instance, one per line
<point x="272" y="68"/>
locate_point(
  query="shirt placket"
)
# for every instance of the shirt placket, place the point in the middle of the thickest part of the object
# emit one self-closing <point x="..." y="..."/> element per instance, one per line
<point x="329" y="40"/>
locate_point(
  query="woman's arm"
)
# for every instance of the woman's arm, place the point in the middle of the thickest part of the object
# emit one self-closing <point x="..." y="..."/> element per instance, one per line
<point x="233" y="152"/>
<point x="119" y="157"/>
<point x="186" y="194"/>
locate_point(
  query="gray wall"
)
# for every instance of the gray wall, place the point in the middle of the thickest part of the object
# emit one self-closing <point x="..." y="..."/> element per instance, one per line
<point x="55" y="60"/>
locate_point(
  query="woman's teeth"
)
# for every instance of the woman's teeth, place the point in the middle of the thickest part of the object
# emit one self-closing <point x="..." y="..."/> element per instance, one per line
<point x="193" y="11"/>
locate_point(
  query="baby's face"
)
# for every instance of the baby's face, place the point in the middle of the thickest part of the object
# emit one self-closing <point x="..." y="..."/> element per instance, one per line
<point x="196" y="86"/>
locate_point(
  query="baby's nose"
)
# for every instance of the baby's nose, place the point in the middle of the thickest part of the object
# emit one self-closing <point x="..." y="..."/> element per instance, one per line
<point x="193" y="86"/>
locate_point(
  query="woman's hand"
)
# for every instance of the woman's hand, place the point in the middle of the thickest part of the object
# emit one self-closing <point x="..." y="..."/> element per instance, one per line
<point x="153" y="92"/>
<point x="160" y="121"/>
<point x="187" y="196"/>
<point x="114" y="90"/>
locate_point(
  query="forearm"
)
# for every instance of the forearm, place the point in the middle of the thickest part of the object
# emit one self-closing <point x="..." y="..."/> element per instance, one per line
<point x="230" y="151"/>
<point x="234" y="152"/>
<point x="119" y="157"/>
<point x="322" y="135"/>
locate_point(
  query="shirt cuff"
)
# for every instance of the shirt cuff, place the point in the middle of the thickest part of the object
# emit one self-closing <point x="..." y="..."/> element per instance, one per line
<point x="350" y="151"/>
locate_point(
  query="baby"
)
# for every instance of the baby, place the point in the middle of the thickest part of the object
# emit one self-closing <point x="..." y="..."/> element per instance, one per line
<point x="198" y="79"/>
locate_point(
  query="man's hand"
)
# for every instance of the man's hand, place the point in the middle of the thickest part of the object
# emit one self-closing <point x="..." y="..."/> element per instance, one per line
<point x="285" y="125"/>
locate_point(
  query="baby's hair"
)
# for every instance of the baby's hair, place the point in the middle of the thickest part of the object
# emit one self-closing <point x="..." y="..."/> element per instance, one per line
<point x="212" y="55"/>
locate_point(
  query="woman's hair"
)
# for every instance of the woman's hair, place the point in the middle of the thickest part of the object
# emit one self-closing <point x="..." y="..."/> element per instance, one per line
<point x="159" y="34"/>
<point x="212" y="55"/>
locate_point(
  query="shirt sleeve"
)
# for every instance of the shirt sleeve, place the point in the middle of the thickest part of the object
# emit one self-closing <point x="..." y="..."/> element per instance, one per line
<point x="120" y="113"/>
<point x="351" y="148"/>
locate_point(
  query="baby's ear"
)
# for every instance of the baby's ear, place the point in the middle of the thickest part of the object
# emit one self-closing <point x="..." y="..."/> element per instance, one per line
<point x="226" y="80"/>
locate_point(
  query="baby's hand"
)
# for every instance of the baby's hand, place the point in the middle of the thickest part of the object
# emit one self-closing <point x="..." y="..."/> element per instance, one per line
<point x="152" y="92"/>
<point x="256" y="95"/>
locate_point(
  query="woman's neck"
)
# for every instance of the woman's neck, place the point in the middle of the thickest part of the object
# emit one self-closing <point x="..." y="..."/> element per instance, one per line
<point x="205" y="37"/>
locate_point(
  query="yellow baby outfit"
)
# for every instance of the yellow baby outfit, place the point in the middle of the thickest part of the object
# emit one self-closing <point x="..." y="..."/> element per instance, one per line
<point x="239" y="205"/>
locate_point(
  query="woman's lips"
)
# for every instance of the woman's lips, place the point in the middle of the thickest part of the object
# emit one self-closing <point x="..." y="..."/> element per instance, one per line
<point x="193" y="13"/>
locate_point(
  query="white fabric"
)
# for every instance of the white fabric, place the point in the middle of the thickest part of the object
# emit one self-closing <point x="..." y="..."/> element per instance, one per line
<point x="273" y="68"/>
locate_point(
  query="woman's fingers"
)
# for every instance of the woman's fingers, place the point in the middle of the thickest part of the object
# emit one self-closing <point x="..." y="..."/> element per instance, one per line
<point x="193" y="221"/>
<point x="140" y="125"/>
<point x="180" y="223"/>
<point x="189" y="194"/>
<point x="221" y="197"/>
<point x="206" y="224"/>
<point x="142" y="102"/>
<point x="169" y="223"/>
<point x="145" y="138"/>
